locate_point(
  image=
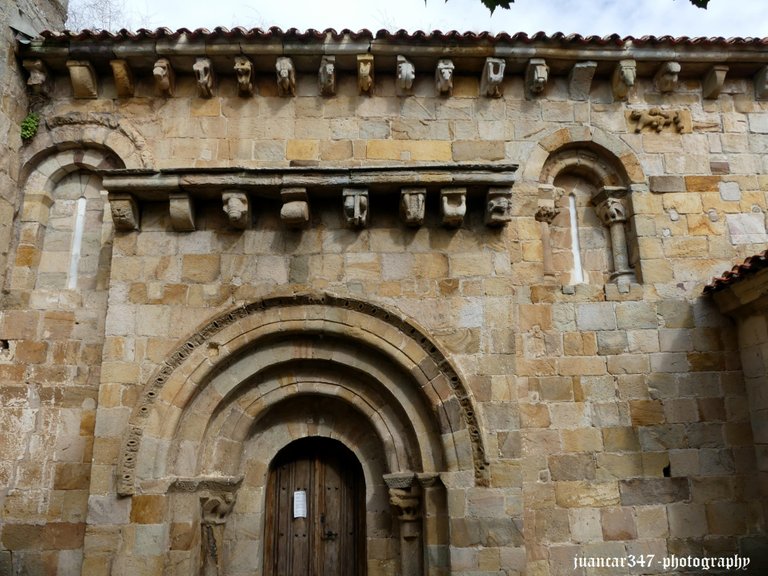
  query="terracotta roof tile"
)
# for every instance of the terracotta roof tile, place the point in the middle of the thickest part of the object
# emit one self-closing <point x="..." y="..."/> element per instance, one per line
<point x="419" y="35"/>
<point x="750" y="266"/>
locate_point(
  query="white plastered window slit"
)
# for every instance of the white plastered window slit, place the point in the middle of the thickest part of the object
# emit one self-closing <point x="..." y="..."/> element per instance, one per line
<point x="577" y="273"/>
<point x="77" y="242"/>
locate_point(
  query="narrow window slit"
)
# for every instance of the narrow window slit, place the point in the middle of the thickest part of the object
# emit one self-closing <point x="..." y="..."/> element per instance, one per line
<point x="77" y="243"/>
<point x="578" y="272"/>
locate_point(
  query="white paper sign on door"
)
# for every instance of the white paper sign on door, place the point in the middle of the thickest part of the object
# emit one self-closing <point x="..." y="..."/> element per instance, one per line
<point x="299" y="504"/>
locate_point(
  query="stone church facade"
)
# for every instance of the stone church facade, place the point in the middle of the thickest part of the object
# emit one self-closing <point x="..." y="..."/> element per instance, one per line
<point x="282" y="302"/>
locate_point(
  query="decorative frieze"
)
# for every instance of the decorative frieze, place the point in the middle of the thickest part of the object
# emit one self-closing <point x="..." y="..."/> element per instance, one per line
<point x="182" y="212"/>
<point x="444" y="77"/>
<point x="498" y="207"/>
<point x="237" y="208"/>
<point x="356" y="211"/>
<point x="413" y="202"/>
<point x="165" y="78"/>
<point x="580" y="80"/>
<point x="286" y="77"/>
<point x="83" y="77"/>
<point x="124" y="84"/>
<point x="39" y="82"/>
<point x="365" y="74"/>
<point x="713" y="82"/>
<point x="326" y="76"/>
<point x="295" y="209"/>
<point x="204" y="76"/>
<point x="125" y="211"/>
<point x="244" y="74"/>
<point x="623" y="79"/>
<point x="667" y="76"/>
<point x="492" y="78"/>
<point x="453" y="206"/>
<point x="536" y="77"/>
<point x="406" y="74"/>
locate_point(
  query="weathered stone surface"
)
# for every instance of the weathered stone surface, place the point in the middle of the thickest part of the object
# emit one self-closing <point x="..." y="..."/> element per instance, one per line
<point x="647" y="491"/>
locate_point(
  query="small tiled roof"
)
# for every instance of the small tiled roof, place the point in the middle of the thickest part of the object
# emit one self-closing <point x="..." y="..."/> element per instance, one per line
<point x="750" y="266"/>
<point x="403" y="35"/>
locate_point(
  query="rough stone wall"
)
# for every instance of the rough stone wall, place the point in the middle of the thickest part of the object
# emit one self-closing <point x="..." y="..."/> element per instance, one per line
<point x="616" y="423"/>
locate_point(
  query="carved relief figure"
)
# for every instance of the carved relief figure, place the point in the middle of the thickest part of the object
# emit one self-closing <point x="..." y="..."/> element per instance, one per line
<point x="444" y="77"/>
<point x="365" y="74"/>
<point x="204" y="76"/>
<point x="493" y="75"/>
<point x="286" y="77"/>
<point x="164" y="77"/>
<point x="656" y="119"/>
<point x="326" y="77"/>
<point x="244" y="73"/>
<point x="406" y="73"/>
<point x="215" y="511"/>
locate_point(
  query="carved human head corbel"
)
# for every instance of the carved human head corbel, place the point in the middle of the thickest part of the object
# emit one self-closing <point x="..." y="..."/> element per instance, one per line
<point x="536" y="76"/>
<point x="365" y="74"/>
<point x="326" y="76"/>
<point x="244" y="73"/>
<point x="237" y="208"/>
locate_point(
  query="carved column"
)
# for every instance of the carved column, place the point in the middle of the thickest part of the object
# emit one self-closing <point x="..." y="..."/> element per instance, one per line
<point x="611" y="210"/>
<point x="545" y="215"/>
<point x="215" y="511"/>
<point x="405" y="497"/>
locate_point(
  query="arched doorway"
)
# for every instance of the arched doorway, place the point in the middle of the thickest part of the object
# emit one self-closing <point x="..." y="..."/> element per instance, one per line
<point x="315" y="507"/>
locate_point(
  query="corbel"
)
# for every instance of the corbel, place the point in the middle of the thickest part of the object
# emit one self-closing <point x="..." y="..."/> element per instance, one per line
<point x="83" y="77"/>
<point x="165" y="77"/>
<point x="498" y="207"/>
<point x="237" y="208"/>
<point x="492" y="78"/>
<point x="40" y="81"/>
<point x="453" y="206"/>
<point x="365" y="74"/>
<point x="761" y="84"/>
<point x="356" y="212"/>
<point x="713" y="82"/>
<point x="244" y="74"/>
<point x="580" y="80"/>
<point x="536" y="76"/>
<point x="286" y="76"/>
<point x="405" y="75"/>
<point x="413" y="205"/>
<point x="326" y="76"/>
<point x="204" y="75"/>
<point x="182" y="212"/>
<point x="624" y="76"/>
<point x="125" y="211"/>
<point x="295" y="209"/>
<point x="667" y="76"/>
<point x="121" y="72"/>
<point x="444" y="77"/>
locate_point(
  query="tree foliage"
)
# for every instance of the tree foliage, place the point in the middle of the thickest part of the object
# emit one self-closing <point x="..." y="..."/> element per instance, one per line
<point x="96" y="14"/>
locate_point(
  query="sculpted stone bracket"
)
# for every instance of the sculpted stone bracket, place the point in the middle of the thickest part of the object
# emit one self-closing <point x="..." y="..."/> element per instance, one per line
<point x="84" y="79"/>
<point x="536" y="77"/>
<point x="406" y="74"/>
<point x="204" y="76"/>
<point x="444" y="77"/>
<point x="165" y="77"/>
<point x="244" y="74"/>
<point x="761" y="84"/>
<point x="123" y="76"/>
<point x="239" y="189"/>
<point x="40" y="82"/>
<point x="667" y="77"/>
<point x="624" y="76"/>
<point x="580" y="80"/>
<point x="713" y="82"/>
<point x="132" y="439"/>
<point x="326" y="76"/>
<point x="365" y="74"/>
<point x="492" y="78"/>
<point x="286" y="76"/>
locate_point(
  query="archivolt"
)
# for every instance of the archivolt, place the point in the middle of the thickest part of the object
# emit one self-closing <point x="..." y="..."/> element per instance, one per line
<point x="216" y="368"/>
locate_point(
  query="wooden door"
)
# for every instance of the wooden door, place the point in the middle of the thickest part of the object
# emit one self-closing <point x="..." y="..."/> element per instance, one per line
<point x="329" y="539"/>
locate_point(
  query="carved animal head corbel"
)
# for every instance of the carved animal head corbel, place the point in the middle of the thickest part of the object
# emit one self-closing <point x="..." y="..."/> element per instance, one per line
<point x="244" y="73"/>
<point x="165" y="79"/>
<point x="624" y="76"/>
<point x="536" y="76"/>
<point x="667" y="76"/>
<point x="286" y="76"/>
<point x="237" y="208"/>
<point x="444" y="77"/>
<point x="365" y="74"/>
<point x="326" y="76"/>
<point x="204" y="75"/>
<point x="406" y="74"/>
